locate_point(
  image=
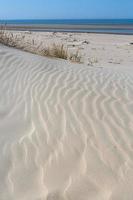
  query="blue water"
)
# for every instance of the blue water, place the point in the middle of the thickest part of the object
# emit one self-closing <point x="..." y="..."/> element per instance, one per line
<point x="72" y="21"/>
<point x="127" y="24"/>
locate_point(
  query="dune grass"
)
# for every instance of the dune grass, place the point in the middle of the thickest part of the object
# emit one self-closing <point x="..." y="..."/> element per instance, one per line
<point x="58" y="51"/>
<point x="5" y="38"/>
<point x="55" y="50"/>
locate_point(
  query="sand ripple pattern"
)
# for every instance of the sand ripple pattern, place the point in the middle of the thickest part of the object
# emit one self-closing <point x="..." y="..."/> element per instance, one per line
<point x="66" y="130"/>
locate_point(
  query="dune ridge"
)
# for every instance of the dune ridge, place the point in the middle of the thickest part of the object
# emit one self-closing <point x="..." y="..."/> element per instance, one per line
<point x="65" y="129"/>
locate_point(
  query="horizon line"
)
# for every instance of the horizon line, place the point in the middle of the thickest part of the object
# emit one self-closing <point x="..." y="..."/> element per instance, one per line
<point x="67" y="19"/>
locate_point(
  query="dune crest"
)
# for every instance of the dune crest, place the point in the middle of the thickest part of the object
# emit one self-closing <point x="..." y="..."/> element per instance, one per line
<point x="65" y="130"/>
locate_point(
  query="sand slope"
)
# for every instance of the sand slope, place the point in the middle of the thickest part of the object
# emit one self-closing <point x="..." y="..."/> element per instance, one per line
<point x="66" y="130"/>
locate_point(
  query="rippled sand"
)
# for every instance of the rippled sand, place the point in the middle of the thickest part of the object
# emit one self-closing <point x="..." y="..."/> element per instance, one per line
<point x="66" y="130"/>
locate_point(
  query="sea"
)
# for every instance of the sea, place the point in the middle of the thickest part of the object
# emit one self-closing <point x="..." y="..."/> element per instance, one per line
<point x="115" y="26"/>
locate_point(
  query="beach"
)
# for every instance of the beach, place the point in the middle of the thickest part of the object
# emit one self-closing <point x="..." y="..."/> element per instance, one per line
<point x="94" y="49"/>
<point x="66" y="128"/>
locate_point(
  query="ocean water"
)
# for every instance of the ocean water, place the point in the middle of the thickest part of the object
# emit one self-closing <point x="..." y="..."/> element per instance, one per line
<point x="72" y="21"/>
<point x="119" y="26"/>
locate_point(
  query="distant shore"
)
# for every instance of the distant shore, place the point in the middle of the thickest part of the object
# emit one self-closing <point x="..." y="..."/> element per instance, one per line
<point x="110" y="29"/>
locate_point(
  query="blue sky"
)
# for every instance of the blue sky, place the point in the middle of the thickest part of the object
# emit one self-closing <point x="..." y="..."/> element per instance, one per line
<point x="56" y="9"/>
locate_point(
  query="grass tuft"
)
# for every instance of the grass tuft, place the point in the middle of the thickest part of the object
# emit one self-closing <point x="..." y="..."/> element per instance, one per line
<point x="75" y="57"/>
<point x="56" y="51"/>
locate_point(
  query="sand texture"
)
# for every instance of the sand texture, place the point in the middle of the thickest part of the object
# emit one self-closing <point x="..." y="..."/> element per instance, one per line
<point x="66" y="130"/>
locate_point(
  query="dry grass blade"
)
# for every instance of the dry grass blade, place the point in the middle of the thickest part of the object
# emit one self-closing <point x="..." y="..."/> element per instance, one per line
<point x="75" y="57"/>
<point x="58" y="51"/>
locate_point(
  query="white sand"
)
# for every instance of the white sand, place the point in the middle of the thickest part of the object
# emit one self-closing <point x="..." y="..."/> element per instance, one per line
<point x="95" y="49"/>
<point x="66" y="130"/>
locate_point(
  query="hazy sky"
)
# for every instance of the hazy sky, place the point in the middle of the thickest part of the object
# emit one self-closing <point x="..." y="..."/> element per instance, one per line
<point x="50" y="9"/>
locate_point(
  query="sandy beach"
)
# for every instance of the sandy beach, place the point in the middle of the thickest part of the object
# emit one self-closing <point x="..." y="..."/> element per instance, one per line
<point x="66" y="129"/>
<point x="101" y="50"/>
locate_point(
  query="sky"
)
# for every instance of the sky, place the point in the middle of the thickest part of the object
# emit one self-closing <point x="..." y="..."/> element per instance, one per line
<point x="65" y="9"/>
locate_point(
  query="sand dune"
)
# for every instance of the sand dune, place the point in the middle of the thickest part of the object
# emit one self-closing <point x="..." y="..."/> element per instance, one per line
<point x="94" y="49"/>
<point x="66" y="130"/>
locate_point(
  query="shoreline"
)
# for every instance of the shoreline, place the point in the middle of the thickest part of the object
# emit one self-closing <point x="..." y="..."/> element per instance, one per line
<point x="100" y="29"/>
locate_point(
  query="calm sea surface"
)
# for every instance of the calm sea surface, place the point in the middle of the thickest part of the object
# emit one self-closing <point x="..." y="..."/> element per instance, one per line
<point x="119" y="26"/>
